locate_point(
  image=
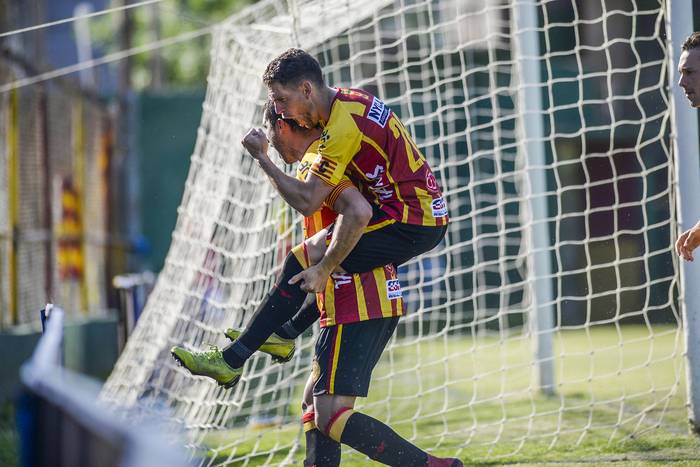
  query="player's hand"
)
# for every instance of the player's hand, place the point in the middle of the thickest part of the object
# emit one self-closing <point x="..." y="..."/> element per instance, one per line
<point x="313" y="279"/>
<point x="687" y="242"/>
<point x="255" y="142"/>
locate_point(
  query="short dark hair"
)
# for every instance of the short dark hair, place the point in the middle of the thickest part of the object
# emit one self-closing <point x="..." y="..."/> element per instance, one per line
<point x="270" y="117"/>
<point x="692" y="41"/>
<point x="292" y="67"/>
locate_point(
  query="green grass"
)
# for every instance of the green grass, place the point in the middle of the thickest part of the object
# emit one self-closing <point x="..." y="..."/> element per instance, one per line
<point x="619" y="399"/>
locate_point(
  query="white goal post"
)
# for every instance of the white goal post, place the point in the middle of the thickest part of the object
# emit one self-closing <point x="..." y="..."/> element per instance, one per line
<point x="551" y="313"/>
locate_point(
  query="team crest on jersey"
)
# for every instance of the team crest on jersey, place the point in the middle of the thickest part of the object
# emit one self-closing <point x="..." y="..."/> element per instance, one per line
<point x="378" y="112"/>
<point x="393" y="289"/>
<point x="439" y="207"/>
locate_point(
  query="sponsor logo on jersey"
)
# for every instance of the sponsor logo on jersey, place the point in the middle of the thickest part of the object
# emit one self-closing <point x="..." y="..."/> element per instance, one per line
<point x="303" y="168"/>
<point x="439" y="207"/>
<point x="377" y="184"/>
<point x="393" y="289"/>
<point x="378" y="112"/>
<point x="325" y="136"/>
<point x="340" y="279"/>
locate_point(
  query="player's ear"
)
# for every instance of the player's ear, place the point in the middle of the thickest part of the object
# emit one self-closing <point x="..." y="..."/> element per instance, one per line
<point x="306" y="88"/>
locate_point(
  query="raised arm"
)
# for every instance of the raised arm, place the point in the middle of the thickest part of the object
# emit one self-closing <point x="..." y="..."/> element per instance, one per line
<point x="304" y="196"/>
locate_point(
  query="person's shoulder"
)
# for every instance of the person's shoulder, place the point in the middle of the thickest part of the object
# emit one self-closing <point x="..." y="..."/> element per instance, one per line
<point x="367" y="109"/>
<point x="341" y="125"/>
<point x="354" y="95"/>
<point x="312" y="150"/>
<point x="307" y="160"/>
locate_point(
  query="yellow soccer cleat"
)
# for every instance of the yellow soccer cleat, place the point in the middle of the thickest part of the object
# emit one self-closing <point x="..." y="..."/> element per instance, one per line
<point x="281" y="350"/>
<point x="210" y="363"/>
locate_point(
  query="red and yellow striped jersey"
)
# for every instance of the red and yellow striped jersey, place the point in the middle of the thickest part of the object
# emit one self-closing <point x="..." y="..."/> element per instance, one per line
<point x="366" y="141"/>
<point x="324" y="216"/>
<point x="348" y="298"/>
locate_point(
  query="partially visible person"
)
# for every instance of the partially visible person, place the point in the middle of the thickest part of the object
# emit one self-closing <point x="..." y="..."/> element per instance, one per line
<point x="689" y="70"/>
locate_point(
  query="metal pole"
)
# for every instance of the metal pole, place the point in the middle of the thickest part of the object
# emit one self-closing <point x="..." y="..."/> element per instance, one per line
<point x="527" y="51"/>
<point x="686" y="152"/>
<point x="13" y="146"/>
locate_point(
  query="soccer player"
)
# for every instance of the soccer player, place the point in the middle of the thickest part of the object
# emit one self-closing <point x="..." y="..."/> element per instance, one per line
<point x="689" y="69"/>
<point x="359" y="314"/>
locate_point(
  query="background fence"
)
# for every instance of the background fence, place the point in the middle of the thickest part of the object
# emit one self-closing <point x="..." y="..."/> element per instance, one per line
<point x="54" y="191"/>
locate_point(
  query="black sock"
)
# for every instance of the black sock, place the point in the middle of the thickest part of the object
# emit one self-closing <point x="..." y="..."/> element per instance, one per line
<point x="321" y="451"/>
<point x="380" y="443"/>
<point x="280" y="304"/>
<point x="305" y="317"/>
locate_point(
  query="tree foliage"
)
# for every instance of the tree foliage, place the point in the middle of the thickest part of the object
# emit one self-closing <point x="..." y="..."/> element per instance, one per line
<point x="181" y="65"/>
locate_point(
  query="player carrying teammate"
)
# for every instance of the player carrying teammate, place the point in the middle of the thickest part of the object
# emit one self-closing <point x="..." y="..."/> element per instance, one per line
<point x="359" y="313"/>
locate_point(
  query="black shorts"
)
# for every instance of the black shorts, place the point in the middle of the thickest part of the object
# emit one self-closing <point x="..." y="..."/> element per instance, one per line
<point x="394" y="243"/>
<point x="346" y="355"/>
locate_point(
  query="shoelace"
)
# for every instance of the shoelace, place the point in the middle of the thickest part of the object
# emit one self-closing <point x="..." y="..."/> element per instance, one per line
<point x="213" y="353"/>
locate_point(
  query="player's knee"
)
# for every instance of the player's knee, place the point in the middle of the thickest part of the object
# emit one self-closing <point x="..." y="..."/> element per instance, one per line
<point x="327" y="406"/>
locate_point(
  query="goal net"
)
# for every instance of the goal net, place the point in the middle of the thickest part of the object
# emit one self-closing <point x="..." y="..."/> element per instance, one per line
<point x="549" y="315"/>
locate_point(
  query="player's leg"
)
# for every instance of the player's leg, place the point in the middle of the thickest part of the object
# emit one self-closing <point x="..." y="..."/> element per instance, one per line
<point x="281" y="303"/>
<point x="345" y="377"/>
<point x="307" y="315"/>
<point x="280" y="345"/>
<point x="321" y="451"/>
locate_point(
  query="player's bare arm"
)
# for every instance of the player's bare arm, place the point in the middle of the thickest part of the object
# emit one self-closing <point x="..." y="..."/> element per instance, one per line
<point x="354" y="215"/>
<point x="304" y="196"/>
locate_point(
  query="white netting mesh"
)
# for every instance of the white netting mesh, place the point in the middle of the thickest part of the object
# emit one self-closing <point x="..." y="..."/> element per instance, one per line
<point x="460" y="375"/>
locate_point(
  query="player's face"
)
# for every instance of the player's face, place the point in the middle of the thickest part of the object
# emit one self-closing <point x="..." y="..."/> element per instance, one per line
<point x="278" y="134"/>
<point x="293" y="102"/>
<point x="689" y="69"/>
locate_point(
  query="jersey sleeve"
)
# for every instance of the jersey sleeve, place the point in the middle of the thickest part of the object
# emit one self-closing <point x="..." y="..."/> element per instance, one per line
<point x="344" y="184"/>
<point x="339" y="144"/>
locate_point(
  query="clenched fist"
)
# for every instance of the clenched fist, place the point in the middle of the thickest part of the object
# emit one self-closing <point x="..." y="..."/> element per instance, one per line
<point x="255" y="142"/>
